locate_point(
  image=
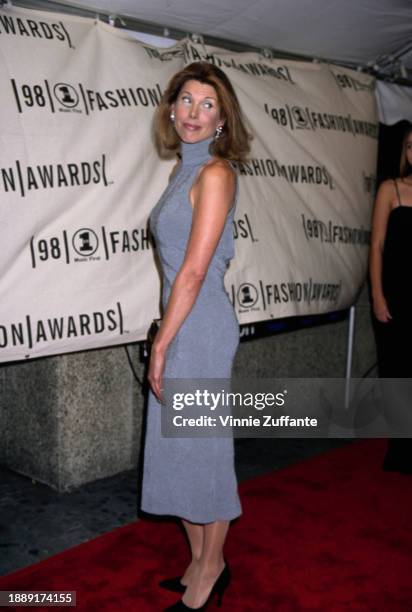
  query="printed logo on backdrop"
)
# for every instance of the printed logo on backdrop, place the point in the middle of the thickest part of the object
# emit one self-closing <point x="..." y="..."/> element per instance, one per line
<point x="263" y="296"/>
<point x="164" y="55"/>
<point x="32" y="28"/>
<point x="86" y="244"/>
<point x="247" y="296"/>
<point x="292" y="173"/>
<point x="70" y="98"/>
<point x="332" y="233"/>
<point x="278" y="71"/>
<point x="242" y="229"/>
<point x="304" y="118"/>
<point x="299" y="117"/>
<point x="369" y="183"/>
<point x="345" y="81"/>
<point x="31" y="332"/>
<point x="66" y="95"/>
<point x="25" y="179"/>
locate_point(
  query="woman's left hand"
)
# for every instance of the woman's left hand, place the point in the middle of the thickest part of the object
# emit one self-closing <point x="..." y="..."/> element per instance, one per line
<point x="156" y="369"/>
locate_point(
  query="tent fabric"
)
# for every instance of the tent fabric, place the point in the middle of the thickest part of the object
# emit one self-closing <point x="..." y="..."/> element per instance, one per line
<point x="361" y="33"/>
<point x="394" y="102"/>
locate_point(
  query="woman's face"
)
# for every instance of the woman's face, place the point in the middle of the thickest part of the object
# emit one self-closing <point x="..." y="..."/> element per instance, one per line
<point x="197" y="112"/>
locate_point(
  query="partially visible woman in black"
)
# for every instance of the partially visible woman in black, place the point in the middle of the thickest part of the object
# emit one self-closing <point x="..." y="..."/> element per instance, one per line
<point x="391" y="284"/>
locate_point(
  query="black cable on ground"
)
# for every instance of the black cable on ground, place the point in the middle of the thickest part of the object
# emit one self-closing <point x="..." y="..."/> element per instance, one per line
<point x="130" y="360"/>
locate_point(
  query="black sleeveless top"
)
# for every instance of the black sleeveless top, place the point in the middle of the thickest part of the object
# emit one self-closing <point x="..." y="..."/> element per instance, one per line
<point x="397" y="260"/>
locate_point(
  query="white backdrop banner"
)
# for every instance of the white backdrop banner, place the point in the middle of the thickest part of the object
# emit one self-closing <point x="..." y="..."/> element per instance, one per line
<point x="79" y="176"/>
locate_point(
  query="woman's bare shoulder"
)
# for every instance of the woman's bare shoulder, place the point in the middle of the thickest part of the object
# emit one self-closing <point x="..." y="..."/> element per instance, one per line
<point x="218" y="168"/>
<point x="387" y="189"/>
<point x="388" y="184"/>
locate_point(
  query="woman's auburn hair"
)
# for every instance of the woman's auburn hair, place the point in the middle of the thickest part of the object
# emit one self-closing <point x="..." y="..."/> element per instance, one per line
<point x="404" y="166"/>
<point x="233" y="143"/>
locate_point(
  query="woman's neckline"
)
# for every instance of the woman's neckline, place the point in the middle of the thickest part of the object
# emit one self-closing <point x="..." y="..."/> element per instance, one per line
<point x="195" y="153"/>
<point x="400" y="206"/>
<point x="401" y="179"/>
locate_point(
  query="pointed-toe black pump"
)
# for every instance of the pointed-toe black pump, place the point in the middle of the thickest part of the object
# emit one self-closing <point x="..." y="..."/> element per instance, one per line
<point x="173" y="584"/>
<point x="219" y="588"/>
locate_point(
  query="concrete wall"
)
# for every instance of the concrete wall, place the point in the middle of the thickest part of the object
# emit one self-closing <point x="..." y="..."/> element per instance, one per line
<point x="71" y="419"/>
<point x="76" y="418"/>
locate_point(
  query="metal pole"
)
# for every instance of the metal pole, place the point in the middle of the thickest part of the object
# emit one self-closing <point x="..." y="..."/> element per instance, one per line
<point x="349" y="356"/>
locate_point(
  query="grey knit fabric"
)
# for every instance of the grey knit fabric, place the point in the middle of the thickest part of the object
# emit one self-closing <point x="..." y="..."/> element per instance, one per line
<point x="192" y="478"/>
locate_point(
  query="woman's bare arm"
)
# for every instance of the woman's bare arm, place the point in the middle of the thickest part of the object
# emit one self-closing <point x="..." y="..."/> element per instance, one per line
<point x="382" y="209"/>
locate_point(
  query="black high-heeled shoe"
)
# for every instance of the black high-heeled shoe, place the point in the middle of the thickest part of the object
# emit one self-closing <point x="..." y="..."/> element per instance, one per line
<point x="218" y="588"/>
<point x="173" y="584"/>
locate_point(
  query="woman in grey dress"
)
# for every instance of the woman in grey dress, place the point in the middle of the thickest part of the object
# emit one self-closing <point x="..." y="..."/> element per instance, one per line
<point x="194" y="478"/>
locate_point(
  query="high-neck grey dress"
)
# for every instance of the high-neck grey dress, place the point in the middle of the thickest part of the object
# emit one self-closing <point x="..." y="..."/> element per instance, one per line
<point x="192" y="478"/>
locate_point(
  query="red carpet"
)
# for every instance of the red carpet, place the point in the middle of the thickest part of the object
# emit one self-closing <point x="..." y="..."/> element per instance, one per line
<point x="332" y="533"/>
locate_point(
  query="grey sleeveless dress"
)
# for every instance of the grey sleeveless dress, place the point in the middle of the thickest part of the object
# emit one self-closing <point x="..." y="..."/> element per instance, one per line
<point x="192" y="478"/>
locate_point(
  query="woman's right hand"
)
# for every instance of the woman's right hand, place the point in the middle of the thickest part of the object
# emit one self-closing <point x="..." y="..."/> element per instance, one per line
<point x="381" y="310"/>
<point x="156" y="369"/>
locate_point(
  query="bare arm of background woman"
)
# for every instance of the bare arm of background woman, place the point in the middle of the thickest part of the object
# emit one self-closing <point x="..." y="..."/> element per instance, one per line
<point x="213" y="198"/>
<point x="380" y="217"/>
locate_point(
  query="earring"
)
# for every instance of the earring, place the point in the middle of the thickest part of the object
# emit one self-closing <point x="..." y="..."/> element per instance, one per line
<point x="218" y="132"/>
<point x="172" y="117"/>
